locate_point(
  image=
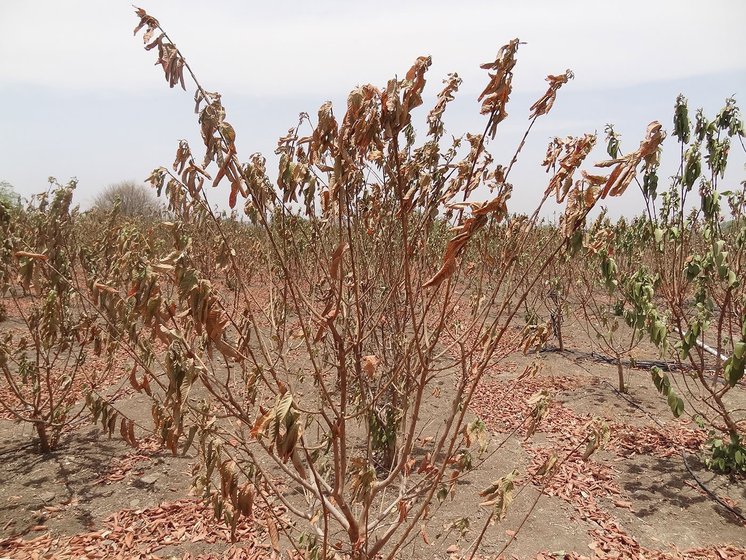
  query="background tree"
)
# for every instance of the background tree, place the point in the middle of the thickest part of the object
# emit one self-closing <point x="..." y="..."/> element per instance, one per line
<point x="8" y="195"/>
<point x="134" y="199"/>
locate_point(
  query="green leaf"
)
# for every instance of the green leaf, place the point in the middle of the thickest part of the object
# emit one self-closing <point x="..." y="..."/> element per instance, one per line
<point x="660" y="380"/>
<point x="675" y="403"/>
<point x="739" y="349"/>
<point x="733" y="370"/>
<point x="692" y="269"/>
<point x="681" y="120"/>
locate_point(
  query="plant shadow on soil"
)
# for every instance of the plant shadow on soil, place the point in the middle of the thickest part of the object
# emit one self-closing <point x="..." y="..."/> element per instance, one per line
<point x="674" y="487"/>
<point x="66" y="490"/>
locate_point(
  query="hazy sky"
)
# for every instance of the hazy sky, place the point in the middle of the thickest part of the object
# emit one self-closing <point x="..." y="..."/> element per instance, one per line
<point x="80" y="96"/>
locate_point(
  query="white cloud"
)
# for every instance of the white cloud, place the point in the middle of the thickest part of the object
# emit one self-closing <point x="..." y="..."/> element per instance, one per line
<point x="324" y="47"/>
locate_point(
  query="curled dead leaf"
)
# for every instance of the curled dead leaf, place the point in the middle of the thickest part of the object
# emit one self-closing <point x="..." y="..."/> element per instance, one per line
<point x="337" y="260"/>
<point x="370" y="364"/>
<point x="36" y="256"/>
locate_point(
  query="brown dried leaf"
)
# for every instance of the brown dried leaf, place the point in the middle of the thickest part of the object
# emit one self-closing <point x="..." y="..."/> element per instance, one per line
<point x="260" y="424"/>
<point x="337" y="260"/>
<point x="146" y="385"/>
<point x="370" y="364"/>
<point x="453" y="249"/>
<point x="626" y="167"/>
<point x="274" y="537"/>
<point x="324" y="135"/>
<point x="452" y="83"/>
<point x="131" y="433"/>
<point x="495" y="96"/>
<point x="246" y="500"/>
<point x="415" y="83"/>
<point x="36" y="256"/>
<point x="403" y="509"/>
<point x="145" y="21"/>
<point x="123" y="429"/>
<point x="575" y="151"/>
<point x="544" y="105"/>
<point x="104" y="288"/>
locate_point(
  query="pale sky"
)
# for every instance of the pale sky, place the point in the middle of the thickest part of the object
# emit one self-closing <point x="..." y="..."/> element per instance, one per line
<point x="80" y="96"/>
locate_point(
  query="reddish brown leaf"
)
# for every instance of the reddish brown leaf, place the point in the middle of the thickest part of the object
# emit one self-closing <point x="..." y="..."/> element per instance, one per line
<point x="274" y="537"/>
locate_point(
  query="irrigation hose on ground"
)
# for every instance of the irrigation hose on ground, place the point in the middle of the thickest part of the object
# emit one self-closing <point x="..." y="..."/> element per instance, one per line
<point x="737" y="514"/>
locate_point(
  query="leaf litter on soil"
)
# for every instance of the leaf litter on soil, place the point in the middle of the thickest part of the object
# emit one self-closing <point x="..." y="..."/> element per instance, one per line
<point x="504" y="406"/>
<point x="142" y="533"/>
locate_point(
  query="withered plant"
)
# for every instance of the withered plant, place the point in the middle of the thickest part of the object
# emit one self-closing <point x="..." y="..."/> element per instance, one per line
<point x="369" y="274"/>
<point x="43" y="359"/>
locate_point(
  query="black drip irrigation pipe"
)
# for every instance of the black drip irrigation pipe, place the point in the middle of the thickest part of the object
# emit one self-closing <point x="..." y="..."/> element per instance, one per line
<point x="701" y="484"/>
<point x="636" y="364"/>
<point x="712" y="494"/>
<point x="737" y="514"/>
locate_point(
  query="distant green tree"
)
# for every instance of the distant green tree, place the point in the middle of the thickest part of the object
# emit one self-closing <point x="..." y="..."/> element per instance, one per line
<point x="8" y="195"/>
<point x="134" y="200"/>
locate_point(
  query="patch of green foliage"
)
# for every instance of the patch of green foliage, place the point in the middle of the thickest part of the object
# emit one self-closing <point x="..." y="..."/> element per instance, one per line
<point x="727" y="457"/>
